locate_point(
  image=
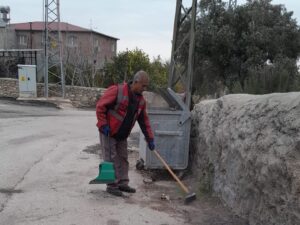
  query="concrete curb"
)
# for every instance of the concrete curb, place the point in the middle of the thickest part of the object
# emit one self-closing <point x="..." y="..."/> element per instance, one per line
<point x="37" y="101"/>
<point x="59" y="103"/>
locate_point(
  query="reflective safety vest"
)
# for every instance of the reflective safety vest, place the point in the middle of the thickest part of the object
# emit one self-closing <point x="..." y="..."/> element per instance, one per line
<point x="116" y="115"/>
<point x="112" y="108"/>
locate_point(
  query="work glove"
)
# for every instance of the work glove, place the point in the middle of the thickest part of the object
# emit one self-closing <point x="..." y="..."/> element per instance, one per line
<point x="151" y="145"/>
<point x="105" y="129"/>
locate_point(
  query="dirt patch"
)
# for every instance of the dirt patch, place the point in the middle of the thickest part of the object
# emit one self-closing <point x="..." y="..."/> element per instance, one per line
<point x="206" y="210"/>
<point x="113" y="222"/>
<point x="157" y="174"/>
<point x="9" y="191"/>
<point x="164" y="195"/>
<point x="133" y="140"/>
<point x="150" y="196"/>
<point x="93" y="149"/>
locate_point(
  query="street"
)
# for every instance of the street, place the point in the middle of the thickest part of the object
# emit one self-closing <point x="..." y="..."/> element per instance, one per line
<point x="44" y="172"/>
<point x="47" y="158"/>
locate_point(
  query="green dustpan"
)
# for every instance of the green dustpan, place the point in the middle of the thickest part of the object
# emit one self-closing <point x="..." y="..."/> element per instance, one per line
<point x="106" y="174"/>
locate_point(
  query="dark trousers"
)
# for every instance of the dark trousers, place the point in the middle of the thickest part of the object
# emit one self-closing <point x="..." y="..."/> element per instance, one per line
<point x="116" y="152"/>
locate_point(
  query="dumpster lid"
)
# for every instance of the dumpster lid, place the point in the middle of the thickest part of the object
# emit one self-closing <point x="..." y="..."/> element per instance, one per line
<point x="172" y="98"/>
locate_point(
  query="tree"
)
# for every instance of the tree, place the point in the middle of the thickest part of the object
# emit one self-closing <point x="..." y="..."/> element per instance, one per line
<point x="268" y="34"/>
<point x="233" y="46"/>
<point x="158" y="73"/>
<point x="127" y="63"/>
<point x="281" y="76"/>
<point x="79" y="71"/>
<point x="124" y="65"/>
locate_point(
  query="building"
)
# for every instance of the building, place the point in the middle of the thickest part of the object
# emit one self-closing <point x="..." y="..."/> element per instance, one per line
<point x="80" y="45"/>
<point x="4" y="15"/>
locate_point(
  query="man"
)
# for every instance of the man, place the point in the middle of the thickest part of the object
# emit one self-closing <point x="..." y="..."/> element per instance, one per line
<point x="117" y="111"/>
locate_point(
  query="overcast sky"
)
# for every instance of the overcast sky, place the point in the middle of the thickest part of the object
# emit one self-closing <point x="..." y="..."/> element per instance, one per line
<point x="145" y="24"/>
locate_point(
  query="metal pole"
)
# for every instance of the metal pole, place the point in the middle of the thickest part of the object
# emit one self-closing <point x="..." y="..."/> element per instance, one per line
<point x="174" y="43"/>
<point x="190" y="72"/>
<point x="60" y="52"/>
<point x="46" y="51"/>
<point x="53" y="47"/>
<point x="182" y="69"/>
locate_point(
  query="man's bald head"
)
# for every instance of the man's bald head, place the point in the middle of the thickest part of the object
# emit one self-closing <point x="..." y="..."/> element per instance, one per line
<point x="140" y="82"/>
<point x="140" y="75"/>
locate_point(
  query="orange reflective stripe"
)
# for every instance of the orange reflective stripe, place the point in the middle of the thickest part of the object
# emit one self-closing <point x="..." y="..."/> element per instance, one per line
<point x="120" y="93"/>
<point x="116" y="115"/>
<point x="121" y="97"/>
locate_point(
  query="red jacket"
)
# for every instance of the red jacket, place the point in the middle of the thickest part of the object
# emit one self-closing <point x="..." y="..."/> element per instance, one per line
<point x="112" y="107"/>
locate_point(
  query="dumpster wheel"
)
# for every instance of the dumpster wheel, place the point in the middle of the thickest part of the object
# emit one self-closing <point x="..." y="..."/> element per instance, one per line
<point x="139" y="164"/>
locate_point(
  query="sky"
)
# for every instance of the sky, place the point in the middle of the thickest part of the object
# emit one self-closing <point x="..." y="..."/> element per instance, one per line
<point x="143" y="24"/>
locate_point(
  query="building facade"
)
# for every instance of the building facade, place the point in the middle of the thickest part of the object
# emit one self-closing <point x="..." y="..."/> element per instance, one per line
<point x="79" y="45"/>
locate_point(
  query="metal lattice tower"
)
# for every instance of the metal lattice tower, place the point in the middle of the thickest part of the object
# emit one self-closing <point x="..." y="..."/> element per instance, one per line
<point x="179" y="72"/>
<point x="53" y="48"/>
<point x="183" y="73"/>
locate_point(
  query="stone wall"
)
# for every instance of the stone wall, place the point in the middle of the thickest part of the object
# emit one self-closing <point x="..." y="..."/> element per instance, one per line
<point x="80" y="96"/>
<point x="9" y="88"/>
<point x="83" y="96"/>
<point x="246" y="149"/>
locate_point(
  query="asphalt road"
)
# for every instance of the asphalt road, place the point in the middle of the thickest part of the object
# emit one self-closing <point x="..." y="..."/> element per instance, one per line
<point x="44" y="172"/>
<point x="47" y="158"/>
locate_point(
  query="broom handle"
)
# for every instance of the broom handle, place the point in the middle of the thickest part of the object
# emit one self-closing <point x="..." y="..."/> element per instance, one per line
<point x="171" y="172"/>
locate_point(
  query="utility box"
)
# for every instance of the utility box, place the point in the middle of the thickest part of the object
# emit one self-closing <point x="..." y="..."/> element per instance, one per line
<point x="27" y="81"/>
<point x="171" y="128"/>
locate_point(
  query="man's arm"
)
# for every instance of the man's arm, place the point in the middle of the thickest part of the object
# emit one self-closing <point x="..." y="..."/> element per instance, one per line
<point x="106" y="101"/>
<point x="145" y="126"/>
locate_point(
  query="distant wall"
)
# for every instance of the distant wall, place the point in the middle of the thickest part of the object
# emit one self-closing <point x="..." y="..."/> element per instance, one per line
<point x="7" y="38"/>
<point x="80" y="96"/>
<point x="9" y="87"/>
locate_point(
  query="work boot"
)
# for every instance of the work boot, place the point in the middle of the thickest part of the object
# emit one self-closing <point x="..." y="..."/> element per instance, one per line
<point x="114" y="191"/>
<point x="126" y="188"/>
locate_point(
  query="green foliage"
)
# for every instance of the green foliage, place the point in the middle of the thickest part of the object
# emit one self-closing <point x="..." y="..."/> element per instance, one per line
<point x="237" y="87"/>
<point x="124" y="65"/>
<point x="158" y="73"/>
<point x="282" y="76"/>
<point x="233" y="46"/>
<point x="127" y="63"/>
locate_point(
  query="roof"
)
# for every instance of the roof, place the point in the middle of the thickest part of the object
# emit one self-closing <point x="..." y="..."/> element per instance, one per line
<point x="65" y="27"/>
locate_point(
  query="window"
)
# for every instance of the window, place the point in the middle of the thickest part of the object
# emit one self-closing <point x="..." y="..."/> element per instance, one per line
<point x="113" y="47"/>
<point x="72" y="41"/>
<point x="22" y="40"/>
<point x="97" y="47"/>
<point x="97" y="43"/>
